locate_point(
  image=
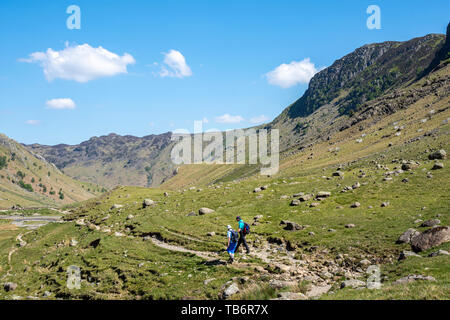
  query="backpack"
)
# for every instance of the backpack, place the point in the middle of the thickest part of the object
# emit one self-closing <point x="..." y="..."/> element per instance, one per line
<point x="246" y="228"/>
<point x="234" y="236"/>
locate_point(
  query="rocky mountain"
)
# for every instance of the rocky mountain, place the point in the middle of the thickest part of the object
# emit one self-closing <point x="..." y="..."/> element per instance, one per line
<point x="337" y="95"/>
<point x="370" y="82"/>
<point x="28" y="179"/>
<point x="113" y="159"/>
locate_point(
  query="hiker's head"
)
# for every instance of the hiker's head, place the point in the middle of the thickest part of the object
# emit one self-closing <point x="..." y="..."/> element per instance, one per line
<point x="238" y="218"/>
<point x="228" y="227"/>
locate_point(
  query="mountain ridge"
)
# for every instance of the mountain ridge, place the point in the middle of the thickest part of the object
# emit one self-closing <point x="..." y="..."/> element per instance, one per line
<point x="338" y="97"/>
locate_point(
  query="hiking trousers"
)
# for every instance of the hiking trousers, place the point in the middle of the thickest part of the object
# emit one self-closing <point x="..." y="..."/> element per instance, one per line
<point x="242" y="240"/>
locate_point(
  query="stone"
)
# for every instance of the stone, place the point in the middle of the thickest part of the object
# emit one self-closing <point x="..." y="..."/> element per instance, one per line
<point x="211" y="234"/>
<point x="130" y="216"/>
<point x="116" y="206"/>
<point x="230" y="290"/>
<point x="203" y="211"/>
<point x="356" y="185"/>
<point x="257" y="190"/>
<point x="350" y="225"/>
<point x="355" y="205"/>
<point x="352" y="283"/>
<point x="323" y="194"/>
<point x="9" y="286"/>
<point x="338" y="174"/>
<point x="440" y="154"/>
<point x="365" y="263"/>
<point x="292" y="226"/>
<point x="279" y="284"/>
<point x="295" y="203"/>
<point x="430" y="238"/>
<point x="408" y="235"/>
<point x="405" y="254"/>
<point x="317" y="291"/>
<point x="73" y="243"/>
<point x="440" y="252"/>
<point x="191" y="214"/>
<point x="305" y="197"/>
<point x="408" y="166"/>
<point x="384" y="204"/>
<point x="430" y="223"/>
<point x="148" y="203"/>
<point x="412" y="278"/>
<point x="437" y="166"/>
<point x="313" y="204"/>
<point x="298" y="194"/>
<point x="291" y="296"/>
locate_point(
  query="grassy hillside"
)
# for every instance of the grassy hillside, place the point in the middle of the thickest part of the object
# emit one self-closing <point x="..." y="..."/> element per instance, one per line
<point x="163" y="251"/>
<point x="28" y="180"/>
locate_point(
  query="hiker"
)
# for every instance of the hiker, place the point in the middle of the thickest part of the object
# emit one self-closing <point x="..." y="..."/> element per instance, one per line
<point x="243" y="230"/>
<point x="232" y="242"/>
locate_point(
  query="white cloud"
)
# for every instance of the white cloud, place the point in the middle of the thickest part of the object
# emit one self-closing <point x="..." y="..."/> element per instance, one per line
<point x="175" y="65"/>
<point x="227" y="118"/>
<point x="33" y="122"/>
<point x="259" y="119"/>
<point x="60" y="104"/>
<point x="288" y="75"/>
<point x="80" y="63"/>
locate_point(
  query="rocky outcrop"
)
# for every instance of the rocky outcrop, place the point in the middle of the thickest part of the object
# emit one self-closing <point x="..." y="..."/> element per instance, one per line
<point x="430" y="238"/>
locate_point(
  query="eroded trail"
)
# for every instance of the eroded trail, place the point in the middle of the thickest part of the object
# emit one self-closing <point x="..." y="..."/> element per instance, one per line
<point x="171" y="247"/>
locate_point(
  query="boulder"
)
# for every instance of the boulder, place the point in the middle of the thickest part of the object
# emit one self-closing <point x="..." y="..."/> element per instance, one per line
<point x="430" y="238"/>
<point x="292" y="226"/>
<point x="352" y="283"/>
<point x="230" y="290"/>
<point x="10" y="286"/>
<point x="295" y="203"/>
<point x="441" y="154"/>
<point x="317" y="291"/>
<point x="191" y="214"/>
<point x="148" y="203"/>
<point x="203" y="211"/>
<point x="350" y="225"/>
<point x="338" y="174"/>
<point x="355" y="205"/>
<point x="323" y="194"/>
<point x="408" y="235"/>
<point x="437" y="166"/>
<point x="430" y="223"/>
<point x="405" y="254"/>
<point x="439" y="253"/>
<point x="305" y="197"/>
<point x="116" y="206"/>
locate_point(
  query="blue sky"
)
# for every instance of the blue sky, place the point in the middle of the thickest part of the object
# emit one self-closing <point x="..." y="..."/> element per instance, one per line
<point x="177" y="61"/>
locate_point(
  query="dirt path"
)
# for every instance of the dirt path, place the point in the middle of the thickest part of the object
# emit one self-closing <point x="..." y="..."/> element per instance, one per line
<point x="201" y="254"/>
<point x="14" y="249"/>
